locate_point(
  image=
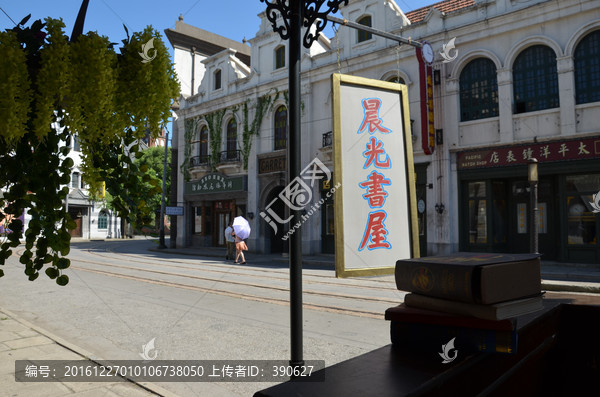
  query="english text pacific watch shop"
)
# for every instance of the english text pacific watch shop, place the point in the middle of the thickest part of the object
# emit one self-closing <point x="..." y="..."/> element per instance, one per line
<point x="494" y="198"/>
<point x="211" y="202"/>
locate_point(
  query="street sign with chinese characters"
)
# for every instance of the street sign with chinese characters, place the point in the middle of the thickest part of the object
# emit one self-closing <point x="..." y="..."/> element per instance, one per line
<point x="376" y="206"/>
<point x="216" y="183"/>
<point x="573" y="149"/>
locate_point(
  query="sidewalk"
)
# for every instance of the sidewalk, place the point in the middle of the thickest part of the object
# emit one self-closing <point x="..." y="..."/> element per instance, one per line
<point x="21" y="340"/>
<point x="556" y="276"/>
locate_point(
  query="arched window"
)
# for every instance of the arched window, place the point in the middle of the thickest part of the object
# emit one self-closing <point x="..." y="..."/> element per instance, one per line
<point x="280" y="57"/>
<point x="535" y="80"/>
<point x="396" y="79"/>
<point x="203" y="145"/>
<point x="103" y="220"/>
<point x="218" y="79"/>
<point x="478" y="90"/>
<point x="587" y="69"/>
<point x="361" y="35"/>
<point x="231" y="142"/>
<point x="281" y="128"/>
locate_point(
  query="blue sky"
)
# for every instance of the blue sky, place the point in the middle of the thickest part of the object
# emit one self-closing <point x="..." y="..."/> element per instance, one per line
<point x="234" y="19"/>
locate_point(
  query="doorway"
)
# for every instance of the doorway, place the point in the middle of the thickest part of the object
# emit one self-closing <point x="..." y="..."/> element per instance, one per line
<point x="519" y="202"/>
<point x="496" y="216"/>
<point x="275" y="238"/>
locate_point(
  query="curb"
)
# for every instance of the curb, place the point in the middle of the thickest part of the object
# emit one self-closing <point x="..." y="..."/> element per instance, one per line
<point x="586" y="284"/>
<point x="314" y="262"/>
<point x="553" y="285"/>
<point x="150" y="387"/>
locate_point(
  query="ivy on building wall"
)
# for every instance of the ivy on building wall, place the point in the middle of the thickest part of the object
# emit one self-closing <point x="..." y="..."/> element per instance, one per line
<point x="251" y="128"/>
<point x="190" y="130"/>
<point x="215" y="127"/>
<point x="263" y="103"/>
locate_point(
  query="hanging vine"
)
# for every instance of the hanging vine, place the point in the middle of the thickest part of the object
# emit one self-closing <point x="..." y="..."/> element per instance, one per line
<point x="215" y="125"/>
<point x="53" y="88"/>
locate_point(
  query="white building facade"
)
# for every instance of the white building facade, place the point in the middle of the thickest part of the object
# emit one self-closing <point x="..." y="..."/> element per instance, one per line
<point x="523" y="81"/>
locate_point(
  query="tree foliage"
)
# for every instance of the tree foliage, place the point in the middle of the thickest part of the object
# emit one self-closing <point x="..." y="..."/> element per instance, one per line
<point x="151" y="162"/>
<point x="53" y="88"/>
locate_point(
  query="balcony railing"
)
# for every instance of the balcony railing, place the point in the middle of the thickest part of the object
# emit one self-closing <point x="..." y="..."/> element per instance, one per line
<point x="328" y="139"/>
<point x="230" y="156"/>
<point x="199" y="161"/>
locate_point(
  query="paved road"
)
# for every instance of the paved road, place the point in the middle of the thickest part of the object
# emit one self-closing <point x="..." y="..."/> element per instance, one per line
<point x="121" y="296"/>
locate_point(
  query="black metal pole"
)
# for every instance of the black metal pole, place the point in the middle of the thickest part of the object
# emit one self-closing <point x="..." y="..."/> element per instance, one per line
<point x="162" y="201"/>
<point x="294" y="171"/>
<point x="533" y="198"/>
<point x="533" y="238"/>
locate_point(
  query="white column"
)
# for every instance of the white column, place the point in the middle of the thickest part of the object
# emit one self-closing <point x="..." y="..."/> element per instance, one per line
<point x="566" y="92"/>
<point x="505" y="106"/>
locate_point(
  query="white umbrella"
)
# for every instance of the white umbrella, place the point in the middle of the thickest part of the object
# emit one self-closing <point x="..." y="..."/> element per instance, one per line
<point x="241" y="227"/>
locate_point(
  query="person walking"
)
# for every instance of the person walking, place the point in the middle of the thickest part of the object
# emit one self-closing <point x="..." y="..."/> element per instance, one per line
<point x="229" y="241"/>
<point x="240" y="247"/>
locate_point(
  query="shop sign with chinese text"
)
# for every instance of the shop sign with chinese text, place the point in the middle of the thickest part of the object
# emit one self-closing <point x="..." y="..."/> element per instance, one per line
<point x="375" y="209"/>
<point x="573" y="149"/>
<point x="216" y="183"/>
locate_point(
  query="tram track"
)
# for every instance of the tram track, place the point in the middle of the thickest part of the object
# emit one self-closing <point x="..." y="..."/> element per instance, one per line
<point x="283" y="302"/>
<point x="254" y="272"/>
<point x="229" y="281"/>
<point x="226" y="283"/>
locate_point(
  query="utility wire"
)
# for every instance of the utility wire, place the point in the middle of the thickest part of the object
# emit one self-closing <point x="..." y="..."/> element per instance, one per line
<point x="8" y="16"/>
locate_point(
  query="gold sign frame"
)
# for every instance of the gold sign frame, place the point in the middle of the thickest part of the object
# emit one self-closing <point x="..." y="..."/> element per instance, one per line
<point x="371" y="86"/>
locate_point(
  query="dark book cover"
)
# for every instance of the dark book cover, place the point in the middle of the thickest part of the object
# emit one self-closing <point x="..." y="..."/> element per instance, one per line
<point x="484" y="278"/>
<point x="406" y="314"/>
<point x="432" y="338"/>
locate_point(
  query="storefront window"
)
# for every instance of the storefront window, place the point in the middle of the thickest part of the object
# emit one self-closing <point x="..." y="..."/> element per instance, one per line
<point x="477" y="213"/>
<point x="499" y="212"/>
<point x="581" y="220"/>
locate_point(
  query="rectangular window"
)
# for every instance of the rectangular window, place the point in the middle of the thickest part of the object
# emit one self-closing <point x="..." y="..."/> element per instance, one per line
<point x="582" y="222"/>
<point x="102" y="220"/>
<point x="75" y="182"/>
<point x="76" y="146"/>
<point x="361" y="34"/>
<point x="218" y="79"/>
<point x="280" y="57"/>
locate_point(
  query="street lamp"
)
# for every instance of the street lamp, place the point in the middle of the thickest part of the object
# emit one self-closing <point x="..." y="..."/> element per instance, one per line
<point x="532" y="177"/>
<point x="287" y="18"/>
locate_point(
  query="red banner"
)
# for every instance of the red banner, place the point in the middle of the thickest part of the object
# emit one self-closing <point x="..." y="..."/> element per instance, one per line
<point x="426" y="86"/>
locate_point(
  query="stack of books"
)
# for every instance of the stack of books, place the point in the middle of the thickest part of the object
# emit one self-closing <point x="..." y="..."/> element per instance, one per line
<point x="473" y="299"/>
